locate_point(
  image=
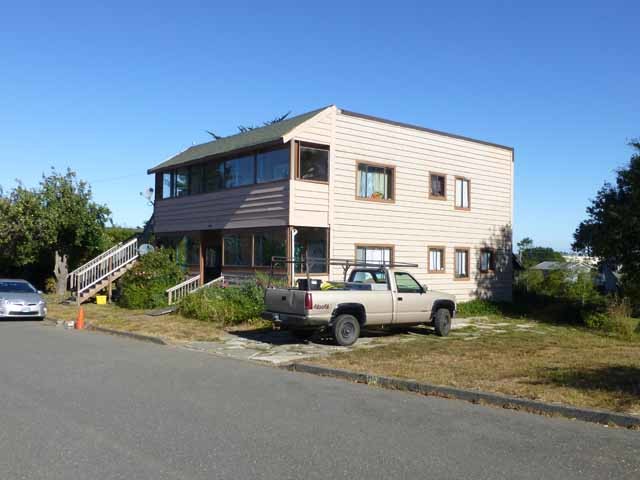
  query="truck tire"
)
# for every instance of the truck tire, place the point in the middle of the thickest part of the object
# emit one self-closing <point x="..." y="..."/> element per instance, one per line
<point x="442" y="322"/>
<point x="346" y="330"/>
<point x="302" y="334"/>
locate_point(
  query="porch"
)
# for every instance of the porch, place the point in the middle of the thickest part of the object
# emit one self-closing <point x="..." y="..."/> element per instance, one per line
<point x="239" y="253"/>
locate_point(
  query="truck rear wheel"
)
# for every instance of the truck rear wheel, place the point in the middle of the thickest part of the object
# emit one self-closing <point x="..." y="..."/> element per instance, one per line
<point x="442" y="322"/>
<point x="346" y="330"/>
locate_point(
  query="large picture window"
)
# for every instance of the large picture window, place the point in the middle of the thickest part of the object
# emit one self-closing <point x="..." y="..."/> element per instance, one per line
<point x="237" y="250"/>
<point x="375" y="182"/>
<point x="239" y="172"/>
<point x="463" y="193"/>
<point x="214" y="176"/>
<point x="267" y="245"/>
<point x="374" y="254"/>
<point x="313" y="163"/>
<point x="272" y="165"/>
<point x="196" y="179"/>
<point x="311" y="243"/>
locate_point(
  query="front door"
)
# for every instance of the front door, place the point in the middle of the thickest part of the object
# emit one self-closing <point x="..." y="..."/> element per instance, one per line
<point x="411" y="301"/>
<point x="212" y="262"/>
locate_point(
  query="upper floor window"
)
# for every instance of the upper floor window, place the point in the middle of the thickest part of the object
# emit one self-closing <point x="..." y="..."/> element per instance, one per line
<point x="213" y="176"/>
<point x="239" y="172"/>
<point x="375" y="182"/>
<point x="463" y="199"/>
<point x="462" y="263"/>
<point x="196" y="179"/>
<point x="374" y="254"/>
<point x="167" y="184"/>
<point x="313" y="163"/>
<point x="487" y="260"/>
<point x="437" y="186"/>
<point x="181" y="182"/>
<point x="436" y="259"/>
<point x="272" y="165"/>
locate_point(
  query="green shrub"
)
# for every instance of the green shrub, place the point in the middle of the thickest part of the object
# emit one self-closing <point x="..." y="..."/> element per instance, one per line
<point x="227" y="306"/>
<point x="145" y="284"/>
<point x="478" y="307"/>
<point x="50" y="285"/>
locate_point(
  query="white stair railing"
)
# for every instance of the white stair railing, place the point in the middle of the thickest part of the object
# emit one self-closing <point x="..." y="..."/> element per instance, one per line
<point x="104" y="265"/>
<point x="73" y="276"/>
<point x="187" y="287"/>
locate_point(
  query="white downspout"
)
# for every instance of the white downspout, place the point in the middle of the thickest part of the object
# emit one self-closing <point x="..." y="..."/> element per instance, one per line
<point x="294" y="232"/>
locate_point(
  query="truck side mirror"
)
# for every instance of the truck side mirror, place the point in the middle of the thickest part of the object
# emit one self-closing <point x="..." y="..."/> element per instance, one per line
<point x="425" y="287"/>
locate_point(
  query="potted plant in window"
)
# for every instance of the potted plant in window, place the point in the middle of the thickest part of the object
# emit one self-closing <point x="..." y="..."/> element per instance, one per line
<point x="377" y="196"/>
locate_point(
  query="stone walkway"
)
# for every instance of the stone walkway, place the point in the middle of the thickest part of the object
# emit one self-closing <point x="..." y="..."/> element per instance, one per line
<point x="280" y="348"/>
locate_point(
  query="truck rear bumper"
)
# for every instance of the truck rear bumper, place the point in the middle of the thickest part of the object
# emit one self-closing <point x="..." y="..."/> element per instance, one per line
<point x="289" y="320"/>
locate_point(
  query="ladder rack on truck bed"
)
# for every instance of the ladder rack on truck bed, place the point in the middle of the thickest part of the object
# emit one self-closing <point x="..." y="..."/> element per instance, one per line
<point x="345" y="263"/>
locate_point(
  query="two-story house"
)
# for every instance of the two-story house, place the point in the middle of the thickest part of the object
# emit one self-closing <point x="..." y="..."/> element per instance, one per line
<point x="337" y="184"/>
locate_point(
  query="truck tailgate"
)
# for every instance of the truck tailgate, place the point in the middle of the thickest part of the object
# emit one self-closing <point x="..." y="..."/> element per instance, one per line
<point x="283" y="300"/>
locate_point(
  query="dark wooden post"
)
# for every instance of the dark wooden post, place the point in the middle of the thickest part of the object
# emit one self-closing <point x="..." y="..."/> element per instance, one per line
<point x="202" y="256"/>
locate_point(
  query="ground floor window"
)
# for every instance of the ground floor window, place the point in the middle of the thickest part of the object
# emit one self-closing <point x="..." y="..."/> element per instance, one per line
<point x="267" y="245"/>
<point x="237" y="250"/>
<point x="311" y="243"/>
<point x="487" y="260"/>
<point x="462" y="263"/>
<point x="185" y="246"/>
<point x="374" y="254"/>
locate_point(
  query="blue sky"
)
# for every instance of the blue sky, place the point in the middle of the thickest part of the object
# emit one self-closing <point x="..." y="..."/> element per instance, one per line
<point x="110" y="89"/>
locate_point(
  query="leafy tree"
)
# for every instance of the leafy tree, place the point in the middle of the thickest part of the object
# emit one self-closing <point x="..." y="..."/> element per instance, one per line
<point x="535" y="255"/>
<point x="57" y="216"/>
<point x="524" y="244"/>
<point x="612" y="229"/>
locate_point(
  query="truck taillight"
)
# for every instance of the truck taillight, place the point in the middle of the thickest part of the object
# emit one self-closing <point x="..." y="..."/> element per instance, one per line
<point x="308" y="301"/>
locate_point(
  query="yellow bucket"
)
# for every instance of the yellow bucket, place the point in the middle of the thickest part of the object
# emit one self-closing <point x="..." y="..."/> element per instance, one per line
<point x="101" y="299"/>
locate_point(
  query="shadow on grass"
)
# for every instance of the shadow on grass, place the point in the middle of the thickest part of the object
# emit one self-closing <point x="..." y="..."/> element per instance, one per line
<point x="621" y="380"/>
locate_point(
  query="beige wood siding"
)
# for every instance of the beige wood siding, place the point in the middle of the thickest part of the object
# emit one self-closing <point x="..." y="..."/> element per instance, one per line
<point x="245" y="207"/>
<point x="310" y="204"/>
<point x="413" y="222"/>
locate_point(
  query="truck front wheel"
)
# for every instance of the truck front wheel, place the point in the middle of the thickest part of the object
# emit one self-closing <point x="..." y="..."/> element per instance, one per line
<point x="442" y="322"/>
<point x="346" y="330"/>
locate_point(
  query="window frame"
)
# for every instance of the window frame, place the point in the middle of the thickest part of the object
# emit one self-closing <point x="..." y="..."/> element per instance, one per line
<point x="327" y="247"/>
<point x="392" y="168"/>
<point x="266" y="151"/>
<point x="315" y="146"/>
<point x="380" y="246"/>
<point x="443" y="262"/>
<point x="444" y="194"/>
<point x="395" y="281"/>
<point x="455" y="197"/>
<point x="455" y="263"/>
<point x="492" y="261"/>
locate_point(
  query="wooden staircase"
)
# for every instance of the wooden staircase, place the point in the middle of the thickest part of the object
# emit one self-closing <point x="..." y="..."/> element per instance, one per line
<point x="88" y="280"/>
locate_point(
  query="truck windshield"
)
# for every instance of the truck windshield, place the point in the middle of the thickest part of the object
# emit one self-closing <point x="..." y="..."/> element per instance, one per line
<point x="369" y="276"/>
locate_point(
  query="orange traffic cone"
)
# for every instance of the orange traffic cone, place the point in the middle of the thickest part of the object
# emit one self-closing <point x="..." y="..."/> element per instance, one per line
<point x="80" y="319"/>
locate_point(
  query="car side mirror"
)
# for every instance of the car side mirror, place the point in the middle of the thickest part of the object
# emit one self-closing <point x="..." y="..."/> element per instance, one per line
<point x="40" y="292"/>
<point x="425" y="287"/>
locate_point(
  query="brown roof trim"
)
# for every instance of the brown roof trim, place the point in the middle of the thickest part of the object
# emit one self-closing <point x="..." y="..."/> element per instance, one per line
<point x="423" y="129"/>
<point x="231" y="153"/>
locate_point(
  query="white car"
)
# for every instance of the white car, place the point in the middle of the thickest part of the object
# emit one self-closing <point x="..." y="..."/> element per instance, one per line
<point x="20" y="299"/>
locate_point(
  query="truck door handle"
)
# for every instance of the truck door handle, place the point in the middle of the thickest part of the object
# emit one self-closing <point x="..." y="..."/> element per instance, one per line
<point x="399" y="299"/>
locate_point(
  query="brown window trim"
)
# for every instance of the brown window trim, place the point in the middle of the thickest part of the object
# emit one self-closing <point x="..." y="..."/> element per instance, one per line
<point x="455" y="196"/>
<point x="393" y="185"/>
<point x="444" y="254"/>
<point x="492" y="264"/>
<point x="375" y="245"/>
<point x="438" y="197"/>
<point x="455" y="264"/>
<point x="317" y="146"/>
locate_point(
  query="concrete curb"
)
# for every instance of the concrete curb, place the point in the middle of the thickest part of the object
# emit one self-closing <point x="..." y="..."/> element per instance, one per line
<point x="134" y="336"/>
<point x="504" y="401"/>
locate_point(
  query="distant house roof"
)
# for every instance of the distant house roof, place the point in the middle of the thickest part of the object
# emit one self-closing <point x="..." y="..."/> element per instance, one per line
<point x="253" y="138"/>
<point x="550" y="266"/>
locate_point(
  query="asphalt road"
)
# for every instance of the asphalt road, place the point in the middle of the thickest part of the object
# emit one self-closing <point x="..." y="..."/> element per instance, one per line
<point x="80" y="405"/>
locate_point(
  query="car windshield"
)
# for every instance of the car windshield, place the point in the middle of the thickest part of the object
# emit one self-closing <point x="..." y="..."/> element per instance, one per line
<point x="16" y="287"/>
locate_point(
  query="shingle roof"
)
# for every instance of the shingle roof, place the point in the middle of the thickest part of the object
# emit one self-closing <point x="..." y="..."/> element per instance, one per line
<point x="258" y="136"/>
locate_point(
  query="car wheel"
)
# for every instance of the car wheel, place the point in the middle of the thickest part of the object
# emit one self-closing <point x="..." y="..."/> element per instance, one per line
<point x="346" y="330"/>
<point x="302" y="334"/>
<point x="442" y="322"/>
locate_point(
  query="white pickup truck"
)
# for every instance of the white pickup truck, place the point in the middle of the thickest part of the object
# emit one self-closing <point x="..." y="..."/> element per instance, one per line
<point x="372" y="297"/>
